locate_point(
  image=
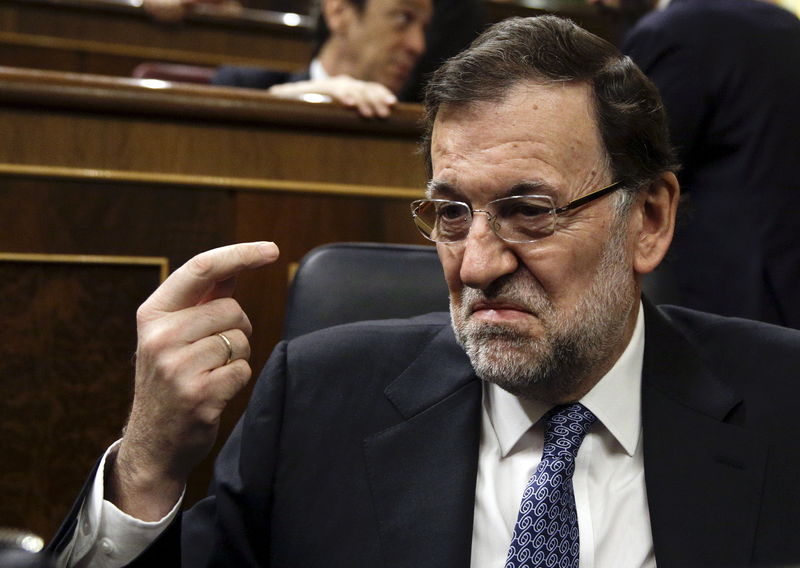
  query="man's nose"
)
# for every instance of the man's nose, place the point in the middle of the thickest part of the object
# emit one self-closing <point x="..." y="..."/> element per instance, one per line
<point x="415" y="40"/>
<point x="486" y="256"/>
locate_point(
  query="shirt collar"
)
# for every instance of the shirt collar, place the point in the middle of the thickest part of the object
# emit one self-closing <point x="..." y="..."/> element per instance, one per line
<point x="615" y="400"/>
<point x="317" y="71"/>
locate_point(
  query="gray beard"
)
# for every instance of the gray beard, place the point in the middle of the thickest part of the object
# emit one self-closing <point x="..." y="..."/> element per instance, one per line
<point x="575" y="346"/>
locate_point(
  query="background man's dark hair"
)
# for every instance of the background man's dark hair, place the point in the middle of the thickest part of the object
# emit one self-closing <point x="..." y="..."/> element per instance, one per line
<point x="321" y="31"/>
<point x="543" y="49"/>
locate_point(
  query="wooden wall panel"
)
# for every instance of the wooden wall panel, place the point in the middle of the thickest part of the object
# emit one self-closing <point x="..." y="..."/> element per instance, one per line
<point x="112" y="37"/>
<point x="66" y="342"/>
<point x="98" y="141"/>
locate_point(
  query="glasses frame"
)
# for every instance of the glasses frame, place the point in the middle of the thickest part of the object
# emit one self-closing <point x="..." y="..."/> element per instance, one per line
<point x="495" y="225"/>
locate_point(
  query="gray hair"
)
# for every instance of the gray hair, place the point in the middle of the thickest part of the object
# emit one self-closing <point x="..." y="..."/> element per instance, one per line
<point x="630" y="115"/>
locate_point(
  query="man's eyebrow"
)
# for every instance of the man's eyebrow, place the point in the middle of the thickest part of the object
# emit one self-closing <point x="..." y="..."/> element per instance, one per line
<point x="443" y="190"/>
<point x="415" y="5"/>
<point x="530" y="187"/>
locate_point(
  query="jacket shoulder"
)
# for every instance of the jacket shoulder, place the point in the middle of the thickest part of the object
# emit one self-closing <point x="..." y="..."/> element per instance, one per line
<point x="405" y="337"/>
<point x="737" y="347"/>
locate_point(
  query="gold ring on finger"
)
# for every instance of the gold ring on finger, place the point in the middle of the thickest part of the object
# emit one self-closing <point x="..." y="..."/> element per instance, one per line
<point x="228" y="345"/>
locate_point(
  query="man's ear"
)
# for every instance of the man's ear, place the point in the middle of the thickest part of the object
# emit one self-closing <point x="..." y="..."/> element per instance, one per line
<point x="654" y="222"/>
<point x="338" y="16"/>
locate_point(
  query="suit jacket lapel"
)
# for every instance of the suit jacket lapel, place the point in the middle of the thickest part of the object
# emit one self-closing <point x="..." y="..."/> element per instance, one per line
<point x="703" y="472"/>
<point x="422" y="471"/>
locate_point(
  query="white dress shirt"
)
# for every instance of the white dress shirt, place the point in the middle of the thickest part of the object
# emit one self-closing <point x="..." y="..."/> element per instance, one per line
<point x="317" y="71"/>
<point x="610" y="497"/>
<point x="106" y="537"/>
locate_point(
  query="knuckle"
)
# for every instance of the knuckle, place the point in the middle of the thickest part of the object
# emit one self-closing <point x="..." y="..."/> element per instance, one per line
<point x="244" y="255"/>
<point x="245" y="350"/>
<point x="156" y="339"/>
<point x="200" y="266"/>
<point x="244" y="325"/>
<point x="221" y="308"/>
<point x="192" y="393"/>
<point x="241" y="346"/>
<point x="228" y="305"/>
<point x="144" y="313"/>
<point x="240" y="372"/>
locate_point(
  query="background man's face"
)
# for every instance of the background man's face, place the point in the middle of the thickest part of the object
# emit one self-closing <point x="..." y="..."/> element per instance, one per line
<point x="387" y="39"/>
<point x="537" y="318"/>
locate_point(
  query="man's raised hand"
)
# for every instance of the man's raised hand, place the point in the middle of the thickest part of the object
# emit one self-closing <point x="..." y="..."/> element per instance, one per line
<point x="185" y="376"/>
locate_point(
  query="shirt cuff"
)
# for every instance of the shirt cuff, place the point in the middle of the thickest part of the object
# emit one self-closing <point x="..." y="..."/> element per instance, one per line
<point x="107" y="537"/>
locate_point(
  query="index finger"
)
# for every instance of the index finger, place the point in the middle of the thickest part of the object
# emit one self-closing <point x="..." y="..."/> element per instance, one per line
<point x="193" y="281"/>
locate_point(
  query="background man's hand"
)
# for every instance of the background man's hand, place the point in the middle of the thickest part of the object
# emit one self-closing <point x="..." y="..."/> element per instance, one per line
<point x="368" y="98"/>
<point x="184" y="378"/>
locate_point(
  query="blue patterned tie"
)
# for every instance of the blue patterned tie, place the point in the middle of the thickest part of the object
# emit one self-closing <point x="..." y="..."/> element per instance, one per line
<point x="546" y="533"/>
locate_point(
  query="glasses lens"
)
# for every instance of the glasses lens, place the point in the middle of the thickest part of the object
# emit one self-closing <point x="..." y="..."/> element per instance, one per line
<point x="522" y="219"/>
<point x="440" y="220"/>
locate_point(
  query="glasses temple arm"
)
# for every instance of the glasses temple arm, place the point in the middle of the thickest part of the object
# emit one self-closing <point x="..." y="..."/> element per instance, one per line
<point x="589" y="197"/>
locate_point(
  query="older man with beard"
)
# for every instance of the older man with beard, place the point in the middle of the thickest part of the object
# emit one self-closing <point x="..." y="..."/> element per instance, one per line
<point x="560" y="420"/>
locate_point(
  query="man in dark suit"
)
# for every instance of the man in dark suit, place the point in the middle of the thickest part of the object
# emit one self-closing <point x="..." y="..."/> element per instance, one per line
<point x="366" y="52"/>
<point x="454" y="24"/>
<point x="554" y="416"/>
<point x="727" y="71"/>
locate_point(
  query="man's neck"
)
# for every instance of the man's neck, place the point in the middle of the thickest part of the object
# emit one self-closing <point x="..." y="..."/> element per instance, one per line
<point x="335" y="60"/>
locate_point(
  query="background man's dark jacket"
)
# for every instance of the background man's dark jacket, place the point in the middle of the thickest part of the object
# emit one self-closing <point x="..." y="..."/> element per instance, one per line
<point x="255" y="78"/>
<point x="729" y="74"/>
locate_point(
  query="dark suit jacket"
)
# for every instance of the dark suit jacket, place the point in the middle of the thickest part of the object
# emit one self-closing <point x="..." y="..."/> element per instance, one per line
<point x="255" y="78"/>
<point x="360" y="446"/>
<point x="728" y="71"/>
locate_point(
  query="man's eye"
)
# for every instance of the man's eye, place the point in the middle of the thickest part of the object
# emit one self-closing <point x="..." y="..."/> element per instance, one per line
<point x="523" y="209"/>
<point x="403" y="19"/>
<point x="451" y="212"/>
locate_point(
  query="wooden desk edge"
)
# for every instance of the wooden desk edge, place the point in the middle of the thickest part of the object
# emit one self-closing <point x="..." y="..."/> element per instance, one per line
<point x="99" y="93"/>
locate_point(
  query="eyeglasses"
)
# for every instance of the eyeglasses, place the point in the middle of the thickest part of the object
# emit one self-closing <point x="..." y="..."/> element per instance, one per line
<point x="515" y="219"/>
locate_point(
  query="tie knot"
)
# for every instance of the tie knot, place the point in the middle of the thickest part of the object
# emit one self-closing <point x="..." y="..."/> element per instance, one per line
<point x="564" y="429"/>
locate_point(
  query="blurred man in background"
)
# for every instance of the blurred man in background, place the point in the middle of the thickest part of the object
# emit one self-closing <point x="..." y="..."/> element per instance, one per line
<point x="729" y="74"/>
<point x="366" y="52"/>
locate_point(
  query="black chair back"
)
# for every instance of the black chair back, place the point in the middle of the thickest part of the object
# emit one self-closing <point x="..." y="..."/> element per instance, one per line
<point x="347" y="282"/>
